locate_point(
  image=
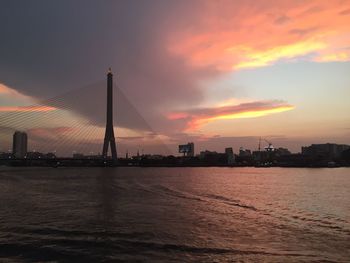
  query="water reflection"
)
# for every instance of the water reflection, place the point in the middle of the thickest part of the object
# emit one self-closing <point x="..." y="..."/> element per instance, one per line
<point x="107" y="196"/>
<point x="177" y="214"/>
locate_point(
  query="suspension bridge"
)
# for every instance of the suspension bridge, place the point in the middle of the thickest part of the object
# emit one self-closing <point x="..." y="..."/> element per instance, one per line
<point x="80" y="124"/>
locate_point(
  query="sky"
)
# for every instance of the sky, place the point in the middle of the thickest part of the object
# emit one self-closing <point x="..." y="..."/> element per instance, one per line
<point x="218" y="73"/>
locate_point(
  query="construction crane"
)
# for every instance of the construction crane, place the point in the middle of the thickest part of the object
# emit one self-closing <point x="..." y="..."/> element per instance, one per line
<point x="268" y="148"/>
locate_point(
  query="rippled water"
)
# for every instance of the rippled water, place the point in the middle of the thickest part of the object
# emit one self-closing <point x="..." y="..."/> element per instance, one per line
<point x="174" y="214"/>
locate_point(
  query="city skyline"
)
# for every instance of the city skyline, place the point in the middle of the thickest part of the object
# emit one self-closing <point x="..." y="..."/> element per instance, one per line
<point x="216" y="77"/>
<point x="174" y="131"/>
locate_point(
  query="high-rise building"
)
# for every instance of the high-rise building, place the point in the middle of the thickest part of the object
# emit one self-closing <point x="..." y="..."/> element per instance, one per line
<point x="187" y="149"/>
<point x="230" y="156"/>
<point x="20" y="142"/>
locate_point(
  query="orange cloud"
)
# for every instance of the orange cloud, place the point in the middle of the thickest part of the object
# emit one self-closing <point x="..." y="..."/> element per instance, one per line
<point x="7" y="91"/>
<point x="230" y="35"/>
<point x="26" y="108"/>
<point x="197" y="117"/>
<point x="256" y="58"/>
<point x="337" y="56"/>
<point x="177" y="115"/>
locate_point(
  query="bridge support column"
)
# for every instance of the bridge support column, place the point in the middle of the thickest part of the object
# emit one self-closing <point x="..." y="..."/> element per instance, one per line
<point x="109" y="134"/>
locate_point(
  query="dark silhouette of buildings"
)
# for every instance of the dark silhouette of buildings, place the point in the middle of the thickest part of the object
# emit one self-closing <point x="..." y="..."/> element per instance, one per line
<point x="230" y="156"/>
<point x="109" y="134"/>
<point x="187" y="149"/>
<point x="328" y="151"/>
<point x="244" y="152"/>
<point x="280" y="157"/>
<point x="20" y="144"/>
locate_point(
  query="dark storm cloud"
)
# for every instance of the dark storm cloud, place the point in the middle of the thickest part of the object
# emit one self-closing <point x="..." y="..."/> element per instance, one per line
<point x="48" y="48"/>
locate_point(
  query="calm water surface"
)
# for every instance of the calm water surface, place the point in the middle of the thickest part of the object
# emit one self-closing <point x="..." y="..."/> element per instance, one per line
<point x="174" y="215"/>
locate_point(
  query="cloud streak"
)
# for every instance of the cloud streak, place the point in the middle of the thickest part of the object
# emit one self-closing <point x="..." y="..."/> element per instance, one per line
<point x="196" y="118"/>
<point x="26" y="108"/>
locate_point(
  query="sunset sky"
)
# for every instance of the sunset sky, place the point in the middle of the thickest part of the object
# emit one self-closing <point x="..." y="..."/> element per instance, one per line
<point x="218" y="73"/>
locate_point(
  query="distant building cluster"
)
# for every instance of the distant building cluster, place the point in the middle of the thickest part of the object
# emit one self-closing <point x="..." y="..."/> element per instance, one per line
<point x="20" y="149"/>
<point x="327" y="150"/>
<point x="315" y="155"/>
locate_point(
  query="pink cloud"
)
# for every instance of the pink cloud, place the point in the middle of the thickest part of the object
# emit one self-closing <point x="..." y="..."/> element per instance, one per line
<point x="26" y="108"/>
<point x="195" y="118"/>
<point x="234" y="35"/>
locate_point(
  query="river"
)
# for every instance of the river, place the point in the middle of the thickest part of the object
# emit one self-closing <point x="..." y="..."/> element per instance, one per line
<point x="174" y="214"/>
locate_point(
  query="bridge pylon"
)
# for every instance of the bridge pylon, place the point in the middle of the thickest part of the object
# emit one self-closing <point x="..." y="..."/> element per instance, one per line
<point x="109" y="134"/>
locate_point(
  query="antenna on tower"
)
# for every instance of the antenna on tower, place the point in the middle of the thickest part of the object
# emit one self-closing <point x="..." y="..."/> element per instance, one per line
<point x="259" y="144"/>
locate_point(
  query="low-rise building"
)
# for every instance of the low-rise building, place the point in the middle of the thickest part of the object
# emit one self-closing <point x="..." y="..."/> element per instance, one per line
<point x="327" y="150"/>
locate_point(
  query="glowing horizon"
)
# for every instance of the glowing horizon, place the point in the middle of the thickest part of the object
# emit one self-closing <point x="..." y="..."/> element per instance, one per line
<point x="226" y="68"/>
